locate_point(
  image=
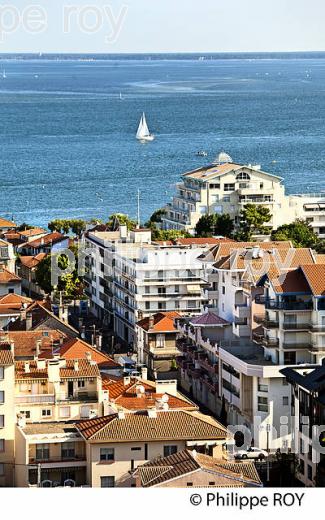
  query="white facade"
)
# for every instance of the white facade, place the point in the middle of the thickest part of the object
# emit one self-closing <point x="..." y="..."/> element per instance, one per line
<point x="130" y="279"/>
<point x="227" y="188"/>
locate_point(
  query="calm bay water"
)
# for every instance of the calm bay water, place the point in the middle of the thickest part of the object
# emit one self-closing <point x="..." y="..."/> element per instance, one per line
<point x="68" y="145"/>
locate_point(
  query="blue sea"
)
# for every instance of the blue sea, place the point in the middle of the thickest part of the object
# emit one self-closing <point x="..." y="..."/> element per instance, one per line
<point x="67" y="142"/>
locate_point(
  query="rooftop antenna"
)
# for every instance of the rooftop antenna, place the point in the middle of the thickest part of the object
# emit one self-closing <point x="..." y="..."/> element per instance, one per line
<point x="138" y="210"/>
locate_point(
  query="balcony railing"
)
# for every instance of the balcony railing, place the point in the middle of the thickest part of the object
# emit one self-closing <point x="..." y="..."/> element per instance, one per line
<point x="259" y="318"/>
<point x="288" y="306"/>
<point x="270" y="342"/>
<point x="36" y="398"/>
<point x="296" y="326"/>
<point x="297" y="345"/>
<point x="55" y="460"/>
<point x="270" y="324"/>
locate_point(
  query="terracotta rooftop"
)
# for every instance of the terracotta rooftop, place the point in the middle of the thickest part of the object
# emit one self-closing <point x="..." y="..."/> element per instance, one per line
<point x="32" y="261"/>
<point x="127" y="397"/>
<point x="6" y="357"/>
<point x="32" y="232"/>
<point x="8" y="277"/>
<point x="4" y="223"/>
<point x="291" y="282"/>
<point x="171" y="425"/>
<point x="163" y="322"/>
<point x="25" y="342"/>
<point x="75" y="348"/>
<point x="315" y="276"/>
<point x="211" y="171"/>
<point x="85" y="369"/>
<point x="210" y="319"/>
<point x="50" y="238"/>
<point x="50" y="428"/>
<point x="221" y="472"/>
<point x="12" y="303"/>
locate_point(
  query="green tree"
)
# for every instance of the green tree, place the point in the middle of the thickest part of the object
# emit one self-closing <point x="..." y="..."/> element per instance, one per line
<point x="55" y="225"/>
<point x="121" y="219"/>
<point x="24" y="226"/>
<point x="300" y="233"/>
<point x="156" y="216"/>
<point x="214" y="224"/>
<point x="167" y="234"/>
<point x="69" y="284"/>
<point x="252" y="221"/>
<point x="78" y="226"/>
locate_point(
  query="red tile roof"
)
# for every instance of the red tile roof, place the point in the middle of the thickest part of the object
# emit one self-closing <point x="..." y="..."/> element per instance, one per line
<point x="85" y="369"/>
<point x="32" y="261"/>
<point x="8" y="277"/>
<point x="6" y="357"/>
<point x="163" y="322"/>
<point x="76" y="348"/>
<point x="7" y="223"/>
<point x="50" y="238"/>
<point x="25" y="342"/>
<point x="315" y="276"/>
<point x="209" y="318"/>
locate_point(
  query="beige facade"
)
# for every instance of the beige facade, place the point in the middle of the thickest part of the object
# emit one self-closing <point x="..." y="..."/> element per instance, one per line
<point x="7" y="418"/>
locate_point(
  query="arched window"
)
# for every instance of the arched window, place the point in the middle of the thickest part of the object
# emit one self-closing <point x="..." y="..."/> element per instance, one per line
<point x="243" y="176"/>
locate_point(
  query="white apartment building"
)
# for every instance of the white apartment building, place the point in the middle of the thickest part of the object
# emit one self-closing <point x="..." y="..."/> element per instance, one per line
<point x="225" y="187"/>
<point x="129" y="278"/>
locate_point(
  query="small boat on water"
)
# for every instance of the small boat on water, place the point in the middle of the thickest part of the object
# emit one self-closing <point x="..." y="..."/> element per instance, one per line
<point x="143" y="133"/>
<point x="202" y="153"/>
<point x="4" y="75"/>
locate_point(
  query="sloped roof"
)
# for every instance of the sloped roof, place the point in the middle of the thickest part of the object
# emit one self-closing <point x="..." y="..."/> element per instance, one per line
<point x="7" y="223"/>
<point x="163" y="322"/>
<point x="32" y="232"/>
<point x="25" y="342"/>
<point x="85" y="369"/>
<point x="76" y="348"/>
<point x="291" y="282"/>
<point x="209" y="319"/>
<point x="40" y="315"/>
<point x="6" y="357"/>
<point x="32" y="261"/>
<point x="186" y="462"/>
<point x="167" y="425"/>
<point x="315" y="276"/>
<point x="50" y="238"/>
<point x="11" y="303"/>
<point x="7" y="277"/>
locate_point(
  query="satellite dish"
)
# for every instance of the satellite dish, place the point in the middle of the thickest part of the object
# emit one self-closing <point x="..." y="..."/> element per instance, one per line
<point x="222" y="158"/>
<point x="165" y="398"/>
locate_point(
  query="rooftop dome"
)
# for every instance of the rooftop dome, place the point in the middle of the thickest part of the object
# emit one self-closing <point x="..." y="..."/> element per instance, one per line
<point x="222" y="158"/>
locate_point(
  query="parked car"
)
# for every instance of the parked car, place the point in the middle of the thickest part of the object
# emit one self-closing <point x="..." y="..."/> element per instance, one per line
<point x="251" y="453"/>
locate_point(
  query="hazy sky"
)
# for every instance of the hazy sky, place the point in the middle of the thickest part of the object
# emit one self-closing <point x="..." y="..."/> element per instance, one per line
<point x="162" y="25"/>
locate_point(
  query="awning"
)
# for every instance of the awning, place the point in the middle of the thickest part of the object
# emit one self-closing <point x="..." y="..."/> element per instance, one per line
<point x="194" y="289"/>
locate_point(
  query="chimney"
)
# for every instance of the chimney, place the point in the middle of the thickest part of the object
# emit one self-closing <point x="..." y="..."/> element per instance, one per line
<point x="38" y="347"/>
<point x="12" y="348"/>
<point x="29" y="321"/>
<point x="152" y="413"/>
<point x="144" y="373"/>
<point x="121" y="414"/>
<point x="76" y="365"/>
<point x="88" y="356"/>
<point x="53" y="370"/>
<point x="99" y="340"/>
<point x="126" y="380"/>
<point x="26" y="367"/>
<point x="151" y="322"/>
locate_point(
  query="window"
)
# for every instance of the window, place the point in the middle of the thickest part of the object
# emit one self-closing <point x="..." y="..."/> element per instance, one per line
<point x="223" y="290"/>
<point x="302" y="467"/>
<point x="189" y="484"/>
<point x="68" y="450"/>
<point x="107" y="454"/>
<point x="26" y="413"/>
<point x="242" y="176"/>
<point x="47" y="412"/>
<point x="285" y="401"/>
<point x="310" y="472"/>
<point x="2" y="373"/>
<point x="263" y="388"/>
<point x="147" y="306"/>
<point x="229" y="187"/>
<point x="310" y="452"/>
<point x="160" y="340"/>
<point x="2" y="445"/>
<point x="106" y="482"/>
<point x="169" y="450"/>
<point x="2" y="470"/>
<point x="262" y="404"/>
<point x="65" y="412"/>
<point x="42" y="451"/>
<point x="136" y="448"/>
<point x="212" y="483"/>
<point x="191" y="304"/>
<point x="81" y="384"/>
<point x="2" y="397"/>
<point x="226" y="198"/>
<point x="2" y="421"/>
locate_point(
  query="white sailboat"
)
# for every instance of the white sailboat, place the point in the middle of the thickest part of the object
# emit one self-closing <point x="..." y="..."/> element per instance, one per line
<point x="143" y="133"/>
<point x="4" y="75"/>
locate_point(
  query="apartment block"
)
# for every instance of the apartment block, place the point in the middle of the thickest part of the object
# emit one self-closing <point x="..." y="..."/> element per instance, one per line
<point x="129" y="278"/>
<point x="226" y="187"/>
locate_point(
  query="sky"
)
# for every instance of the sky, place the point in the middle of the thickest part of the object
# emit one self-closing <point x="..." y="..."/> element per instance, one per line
<point x="152" y="26"/>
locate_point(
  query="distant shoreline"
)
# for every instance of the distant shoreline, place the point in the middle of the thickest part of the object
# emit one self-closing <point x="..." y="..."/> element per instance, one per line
<point x="202" y="57"/>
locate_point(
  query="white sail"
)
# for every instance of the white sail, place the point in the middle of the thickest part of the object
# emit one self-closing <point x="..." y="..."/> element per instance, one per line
<point x="143" y="133"/>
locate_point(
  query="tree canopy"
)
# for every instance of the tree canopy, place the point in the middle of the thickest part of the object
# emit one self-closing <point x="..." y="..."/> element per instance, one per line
<point x="252" y="221"/>
<point x="77" y="226"/>
<point x="299" y="232"/>
<point x="214" y="224"/>
<point x="69" y="284"/>
<point x="122" y="219"/>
